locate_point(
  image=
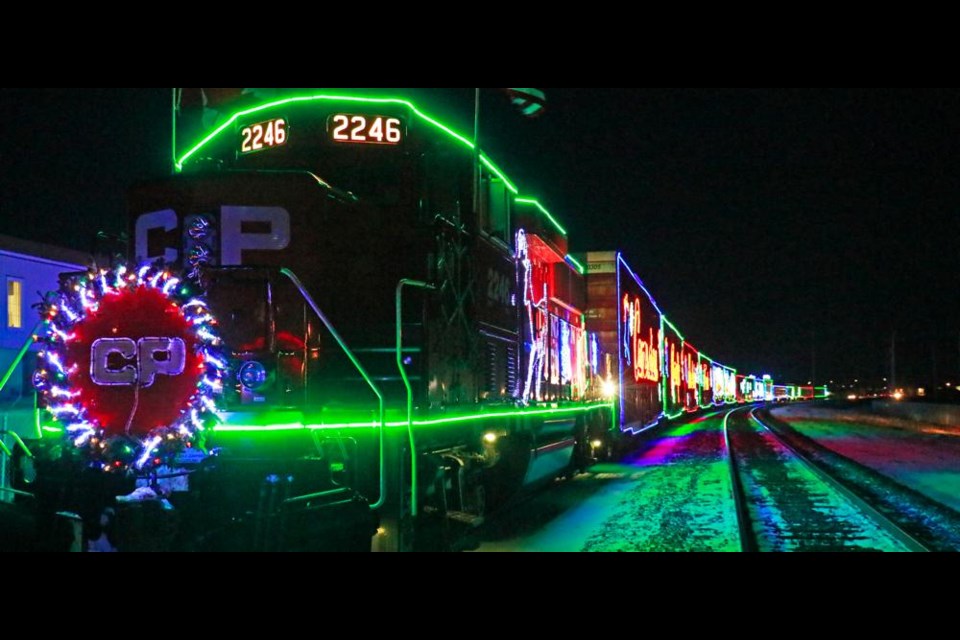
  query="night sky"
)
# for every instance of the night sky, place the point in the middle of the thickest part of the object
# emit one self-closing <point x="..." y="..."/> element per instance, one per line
<point x="765" y="222"/>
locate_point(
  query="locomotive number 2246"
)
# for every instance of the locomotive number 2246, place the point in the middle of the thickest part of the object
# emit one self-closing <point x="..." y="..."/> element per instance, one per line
<point x="263" y="135"/>
<point x="346" y="127"/>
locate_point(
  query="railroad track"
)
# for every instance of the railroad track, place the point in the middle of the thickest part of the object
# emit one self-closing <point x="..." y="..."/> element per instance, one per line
<point x="786" y="503"/>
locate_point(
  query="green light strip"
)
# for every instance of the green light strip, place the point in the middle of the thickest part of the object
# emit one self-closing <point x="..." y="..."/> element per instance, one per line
<point x="544" y="211"/>
<point x="396" y="424"/>
<point x="288" y="426"/>
<point x="504" y="414"/>
<point x="53" y="429"/>
<point x="576" y="264"/>
<point x="672" y="326"/>
<point x="409" y="105"/>
<point x="488" y="163"/>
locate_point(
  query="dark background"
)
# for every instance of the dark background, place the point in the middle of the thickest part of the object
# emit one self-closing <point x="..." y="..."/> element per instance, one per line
<point x="766" y="222"/>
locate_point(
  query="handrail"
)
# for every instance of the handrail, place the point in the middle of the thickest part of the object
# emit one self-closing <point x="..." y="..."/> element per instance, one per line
<point x="23" y="351"/>
<point x="18" y="492"/>
<point x="17" y="440"/>
<point x="6" y="378"/>
<point x="316" y="496"/>
<point x="406" y="382"/>
<point x="356" y="363"/>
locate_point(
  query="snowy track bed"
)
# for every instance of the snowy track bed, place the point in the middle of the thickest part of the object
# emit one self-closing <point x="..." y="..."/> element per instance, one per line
<point x="683" y="502"/>
<point x="787" y="504"/>
<point x="672" y="495"/>
<point x="910" y="477"/>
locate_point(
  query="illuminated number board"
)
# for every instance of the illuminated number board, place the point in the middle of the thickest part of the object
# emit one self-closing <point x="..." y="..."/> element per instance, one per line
<point x="263" y="135"/>
<point x="365" y="129"/>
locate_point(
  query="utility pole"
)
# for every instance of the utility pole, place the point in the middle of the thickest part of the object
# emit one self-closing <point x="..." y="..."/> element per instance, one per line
<point x="933" y="369"/>
<point x="893" y="362"/>
<point x="813" y="356"/>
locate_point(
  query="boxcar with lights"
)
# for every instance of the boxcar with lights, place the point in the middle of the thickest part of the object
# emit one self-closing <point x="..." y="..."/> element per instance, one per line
<point x="728" y="377"/>
<point x="690" y="372"/>
<point x="706" y="381"/>
<point x="781" y="393"/>
<point x="745" y="384"/>
<point x="625" y="317"/>
<point x="674" y="386"/>
<point x="767" y="386"/>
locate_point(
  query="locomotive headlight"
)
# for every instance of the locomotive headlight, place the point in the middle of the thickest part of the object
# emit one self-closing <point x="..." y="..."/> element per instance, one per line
<point x="252" y="375"/>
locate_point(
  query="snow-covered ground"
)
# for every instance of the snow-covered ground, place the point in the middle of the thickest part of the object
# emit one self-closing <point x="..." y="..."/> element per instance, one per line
<point x="674" y="495"/>
<point x="923" y="457"/>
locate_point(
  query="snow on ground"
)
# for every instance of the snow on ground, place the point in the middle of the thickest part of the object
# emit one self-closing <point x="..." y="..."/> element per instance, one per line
<point x="674" y="495"/>
<point x="919" y="456"/>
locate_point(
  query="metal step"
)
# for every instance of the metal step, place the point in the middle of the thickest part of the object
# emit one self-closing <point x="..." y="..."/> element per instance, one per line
<point x="469" y="519"/>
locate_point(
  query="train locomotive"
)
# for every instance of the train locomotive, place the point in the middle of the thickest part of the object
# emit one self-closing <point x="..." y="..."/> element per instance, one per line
<point x="406" y="342"/>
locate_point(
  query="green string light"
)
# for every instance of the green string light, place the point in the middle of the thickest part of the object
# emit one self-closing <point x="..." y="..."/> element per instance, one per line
<point x="396" y="424"/>
<point x="544" y="211"/>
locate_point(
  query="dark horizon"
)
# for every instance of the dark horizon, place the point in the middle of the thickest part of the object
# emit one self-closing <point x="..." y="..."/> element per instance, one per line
<point x="757" y="218"/>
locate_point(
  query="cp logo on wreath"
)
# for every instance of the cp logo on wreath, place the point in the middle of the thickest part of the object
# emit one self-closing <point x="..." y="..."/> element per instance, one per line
<point x="166" y="356"/>
<point x="135" y="377"/>
<point x="130" y="365"/>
